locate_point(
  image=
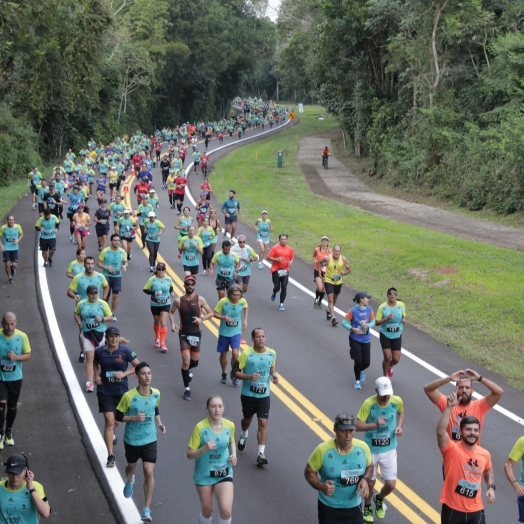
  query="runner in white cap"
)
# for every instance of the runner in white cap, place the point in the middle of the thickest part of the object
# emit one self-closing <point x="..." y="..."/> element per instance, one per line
<point x="381" y="417"/>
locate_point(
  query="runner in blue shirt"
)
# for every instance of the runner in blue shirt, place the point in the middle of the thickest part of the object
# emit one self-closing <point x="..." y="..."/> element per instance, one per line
<point x="231" y="210"/>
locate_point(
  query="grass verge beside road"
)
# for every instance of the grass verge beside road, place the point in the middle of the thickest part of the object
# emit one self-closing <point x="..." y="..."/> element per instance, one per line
<point x="463" y="293"/>
<point x="10" y="195"/>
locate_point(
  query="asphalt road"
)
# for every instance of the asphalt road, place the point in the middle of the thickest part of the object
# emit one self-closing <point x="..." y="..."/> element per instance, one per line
<point x="317" y="378"/>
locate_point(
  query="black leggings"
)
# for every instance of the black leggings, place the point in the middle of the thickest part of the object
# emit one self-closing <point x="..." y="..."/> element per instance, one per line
<point x="207" y="255"/>
<point x="453" y="516"/>
<point x="280" y="284"/>
<point x="153" y="251"/>
<point x="360" y="352"/>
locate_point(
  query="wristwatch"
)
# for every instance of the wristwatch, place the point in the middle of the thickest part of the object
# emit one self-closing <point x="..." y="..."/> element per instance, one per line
<point x="32" y="490"/>
<point x="492" y="486"/>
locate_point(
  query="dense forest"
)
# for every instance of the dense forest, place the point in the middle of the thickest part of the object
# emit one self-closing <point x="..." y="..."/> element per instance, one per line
<point x="71" y="70"/>
<point x="431" y="90"/>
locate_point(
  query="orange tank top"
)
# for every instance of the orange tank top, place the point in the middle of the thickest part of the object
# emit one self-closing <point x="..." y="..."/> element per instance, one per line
<point x="320" y="255"/>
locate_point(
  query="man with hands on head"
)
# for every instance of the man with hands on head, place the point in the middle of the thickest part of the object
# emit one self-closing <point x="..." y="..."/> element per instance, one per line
<point x="465" y="463"/>
<point x="465" y="405"/>
<point x="345" y="467"/>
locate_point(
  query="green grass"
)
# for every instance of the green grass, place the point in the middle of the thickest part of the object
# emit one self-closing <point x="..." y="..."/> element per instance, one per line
<point x="11" y="194"/>
<point x="465" y="294"/>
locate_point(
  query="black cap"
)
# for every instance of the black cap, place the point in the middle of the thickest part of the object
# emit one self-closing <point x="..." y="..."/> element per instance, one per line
<point x="92" y="289"/>
<point x="360" y="295"/>
<point x="112" y="330"/>
<point x="345" y="421"/>
<point x="15" y="464"/>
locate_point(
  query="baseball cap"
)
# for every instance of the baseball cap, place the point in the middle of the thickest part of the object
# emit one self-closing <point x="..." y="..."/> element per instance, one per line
<point x="51" y="184"/>
<point x="112" y="330"/>
<point x="360" y="295"/>
<point x="345" y="421"/>
<point x="152" y="190"/>
<point x="15" y="464"/>
<point x="81" y="206"/>
<point x="103" y="201"/>
<point x="383" y="386"/>
<point x="264" y="212"/>
<point x="127" y="210"/>
<point x="190" y="277"/>
<point x="92" y="289"/>
<point x="151" y="214"/>
<point x="324" y="237"/>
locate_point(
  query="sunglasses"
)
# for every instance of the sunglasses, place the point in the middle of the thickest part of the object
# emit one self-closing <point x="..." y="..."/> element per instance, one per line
<point x="393" y="294"/>
<point x="160" y="268"/>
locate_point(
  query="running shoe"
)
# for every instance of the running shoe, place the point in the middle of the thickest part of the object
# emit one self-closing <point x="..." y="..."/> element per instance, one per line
<point x="362" y="377"/>
<point x="151" y="269"/>
<point x="50" y="262"/>
<point x="334" y="322"/>
<point x="242" y="442"/>
<point x="380" y="508"/>
<point x="223" y="380"/>
<point x="187" y="394"/>
<point x="99" y="247"/>
<point x="82" y="357"/>
<point x="146" y="515"/>
<point x="356" y="385"/>
<point x="281" y="307"/>
<point x="90" y="387"/>
<point x="368" y="514"/>
<point x="10" y="280"/>
<point x="273" y="296"/>
<point x="261" y="460"/>
<point x="163" y="348"/>
<point x="110" y="461"/>
<point x="157" y="343"/>
<point x="315" y="303"/>
<point x="390" y="372"/>
<point x="9" y="440"/>
<point x="129" y="256"/>
<point x="178" y="213"/>
<point x="128" y="488"/>
<point x="261" y="265"/>
<point x="114" y="318"/>
<point x="236" y="382"/>
<point x="13" y="271"/>
<point x="204" y="273"/>
<point x="328" y="315"/>
<point x="45" y="263"/>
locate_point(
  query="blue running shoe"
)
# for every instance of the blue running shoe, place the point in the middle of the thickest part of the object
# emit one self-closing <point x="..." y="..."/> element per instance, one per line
<point x="273" y="296"/>
<point x="357" y="385"/>
<point x="281" y="307"/>
<point x="236" y="382"/>
<point x="128" y="488"/>
<point x="362" y="376"/>
<point x="146" y="515"/>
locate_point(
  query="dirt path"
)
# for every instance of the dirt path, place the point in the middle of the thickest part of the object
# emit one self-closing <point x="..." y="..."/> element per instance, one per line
<point x="338" y="183"/>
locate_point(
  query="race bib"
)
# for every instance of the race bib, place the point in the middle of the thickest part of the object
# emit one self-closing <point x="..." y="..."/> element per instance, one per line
<point x="152" y="237"/>
<point x="110" y="377"/>
<point x="225" y="272"/>
<point x="380" y="439"/>
<point x="80" y="228"/>
<point x="231" y="210"/>
<point x="103" y="221"/>
<point x="8" y="366"/>
<point x="193" y="341"/>
<point x="349" y="477"/>
<point x="243" y="268"/>
<point x="394" y="328"/>
<point x="48" y="231"/>
<point x="10" y="239"/>
<point x="232" y="323"/>
<point x="190" y="257"/>
<point x="282" y="272"/>
<point x="263" y="234"/>
<point x="467" y="489"/>
<point x="115" y="271"/>
<point x="455" y="433"/>
<point x="92" y="324"/>
<point x="336" y="278"/>
<point x="161" y="300"/>
<point x="256" y="388"/>
<point x="218" y="471"/>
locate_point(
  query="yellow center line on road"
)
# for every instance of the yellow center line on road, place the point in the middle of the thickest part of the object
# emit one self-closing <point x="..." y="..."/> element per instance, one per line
<point x="289" y="395"/>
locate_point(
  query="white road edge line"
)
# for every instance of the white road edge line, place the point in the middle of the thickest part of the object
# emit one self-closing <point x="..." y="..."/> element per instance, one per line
<point x="405" y="352"/>
<point x="128" y="509"/>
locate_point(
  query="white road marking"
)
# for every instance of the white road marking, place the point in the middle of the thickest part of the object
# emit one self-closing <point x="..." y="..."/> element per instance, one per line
<point x="127" y="507"/>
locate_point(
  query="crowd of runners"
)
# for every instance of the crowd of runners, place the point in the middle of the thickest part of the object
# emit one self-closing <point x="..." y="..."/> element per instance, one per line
<point x="95" y="190"/>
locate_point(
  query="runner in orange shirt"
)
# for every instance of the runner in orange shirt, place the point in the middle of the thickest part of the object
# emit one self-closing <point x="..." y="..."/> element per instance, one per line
<point x="465" y="406"/>
<point x="465" y="463"/>
<point x="281" y="256"/>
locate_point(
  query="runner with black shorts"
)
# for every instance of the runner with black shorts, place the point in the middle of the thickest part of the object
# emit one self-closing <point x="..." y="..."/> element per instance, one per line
<point x="138" y="408"/>
<point x="14" y="350"/>
<point x="48" y="227"/>
<point x="111" y="366"/>
<point x="256" y="369"/>
<point x="227" y="264"/>
<point x="391" y="317"/>
<point x="190" y="308"/>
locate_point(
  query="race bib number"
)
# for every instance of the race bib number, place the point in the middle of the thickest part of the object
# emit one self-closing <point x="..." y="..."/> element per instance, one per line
<point x="103" y="221"/>
<point x="7" y="366"/>
<point x="225" y="272"/>
<point x="256" y="388"/>
<point x="161" y="300"/>
<point x="455" y="433"/>
<point x="80" y="228"/>
<point x="190" y="257"/>
<point x="232" y="323"/>
<point x="193" y="341"/>
<point x="263" y="234"/>
<point x="219" y="471"/>
<point x="231" y="210"/>
<point x="203" y="209"/>
<point x="283" y="272"/>
<point x="48" y="231"/>
<point x="115" y="271"/>
<point x="336" y="278"/>
<point x="380" y="441"/>
<point x="10" y="239"/>
<point x="92" y="324"/>
<point x="110" y="377"/>
<point x="349" y="477"/>
<point x="467" y="489"/>
<point x="393" y="329"/>
<point x="152" y="237"/>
